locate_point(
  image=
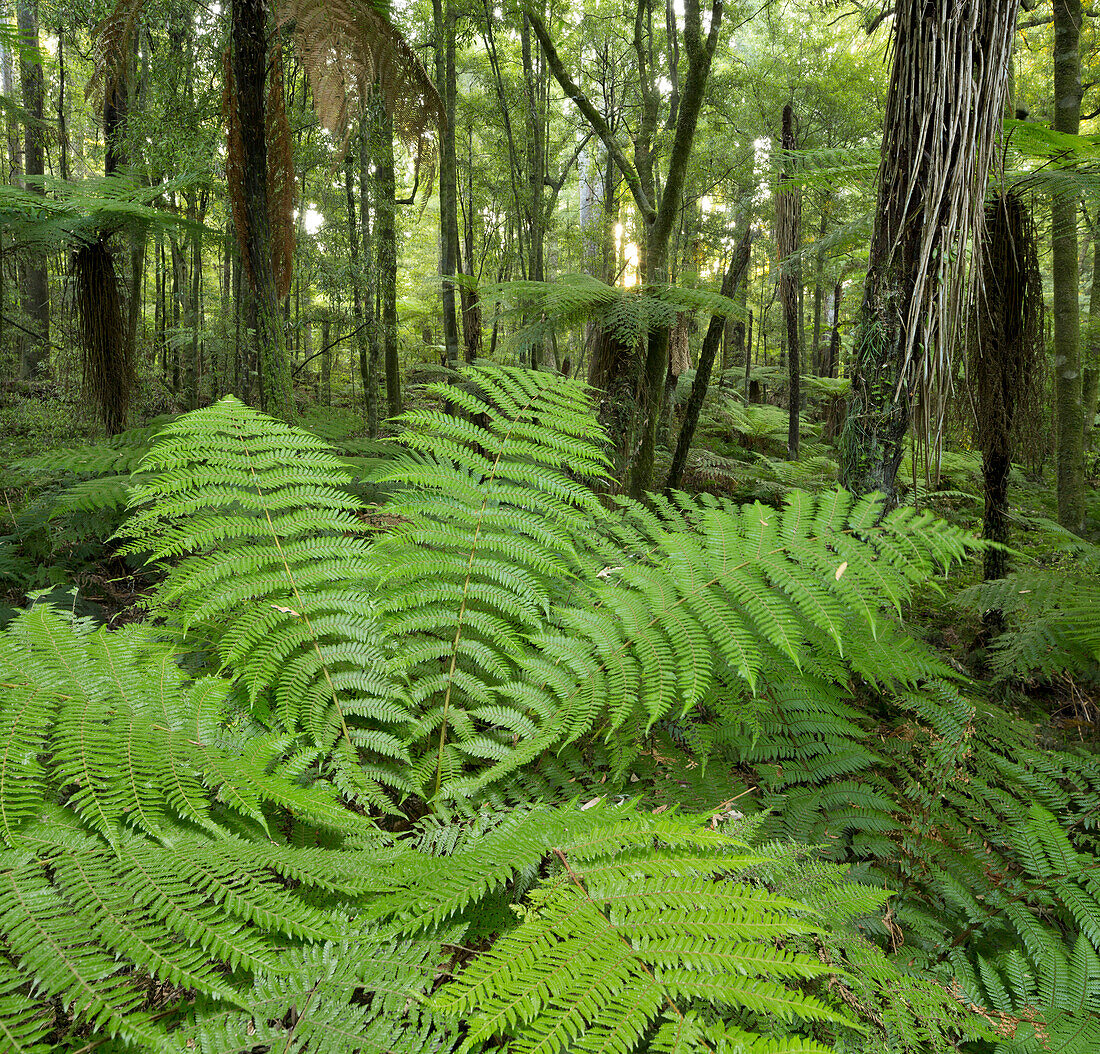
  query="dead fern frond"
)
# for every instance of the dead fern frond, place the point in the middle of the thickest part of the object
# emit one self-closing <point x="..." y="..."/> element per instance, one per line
<point x="945" y="103"/>
<point x="112" y="40"/>
<point x="351" y="50"/>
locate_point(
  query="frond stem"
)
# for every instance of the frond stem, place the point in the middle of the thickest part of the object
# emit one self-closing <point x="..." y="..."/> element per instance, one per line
<point x="462" y="606"/>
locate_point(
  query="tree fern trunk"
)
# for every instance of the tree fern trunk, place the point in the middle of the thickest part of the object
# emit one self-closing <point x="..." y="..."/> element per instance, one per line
<point x="945" y="102"/>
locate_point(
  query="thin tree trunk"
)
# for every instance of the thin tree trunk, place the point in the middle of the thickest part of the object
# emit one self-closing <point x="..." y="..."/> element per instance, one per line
<point x="739" y="265"/>
<point x="444" y="27"/>
<point x="1069" y="416"/>
<point x="385" y="229"/>
<point x="36" y="290"/>
<point x="361" y="316"/>
<point x="788" y="209"/>
<point x="819" y="284"/>
<point x="326" y="362"/>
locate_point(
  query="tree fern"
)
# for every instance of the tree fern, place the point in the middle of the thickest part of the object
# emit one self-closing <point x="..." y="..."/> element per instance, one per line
<point x="147" y="894"/>
<point x="507" y="614"/>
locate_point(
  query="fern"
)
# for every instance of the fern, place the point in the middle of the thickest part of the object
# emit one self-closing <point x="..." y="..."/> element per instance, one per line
<point x="137" y="851"/>
<point x="507" y="614"/>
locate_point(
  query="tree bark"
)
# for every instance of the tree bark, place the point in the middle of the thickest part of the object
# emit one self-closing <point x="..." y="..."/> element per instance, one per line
<point x="362" y="306"/>
<point x="385" y="230"/>
<point x="788" y="209"/>
<point x="1067" y="350"/>
<point x="444" y="26"/>
<point x="34" y="357"/>
<point x="249" y="57"/>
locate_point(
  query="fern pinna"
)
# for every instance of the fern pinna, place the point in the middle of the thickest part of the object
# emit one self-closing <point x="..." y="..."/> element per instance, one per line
<point x="507" y="614"/>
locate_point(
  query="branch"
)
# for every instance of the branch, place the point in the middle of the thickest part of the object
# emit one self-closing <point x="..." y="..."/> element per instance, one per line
<point x="592" y="116"/>
<point x="699" y="56"/>
<point x="557" y="184"/>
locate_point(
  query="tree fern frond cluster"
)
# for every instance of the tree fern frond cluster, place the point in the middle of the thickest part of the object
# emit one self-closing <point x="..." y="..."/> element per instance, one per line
<point x="507" y="615"/>
<point x="148" y="892"/>
<point x="542" y="309"/>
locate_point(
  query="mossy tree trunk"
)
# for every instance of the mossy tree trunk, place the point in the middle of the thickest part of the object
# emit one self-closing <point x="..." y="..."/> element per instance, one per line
<point x="1067" y="324"/>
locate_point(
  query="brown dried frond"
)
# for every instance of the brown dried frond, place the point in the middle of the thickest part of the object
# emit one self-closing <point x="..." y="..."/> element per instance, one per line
<point x="234" y="163"/>
<point x="111" y="43"/>
<point x="280" y="180"/>
<point x="108" y="369"/>
<point x="946" y="98"/>
<point x="350" y="50"/>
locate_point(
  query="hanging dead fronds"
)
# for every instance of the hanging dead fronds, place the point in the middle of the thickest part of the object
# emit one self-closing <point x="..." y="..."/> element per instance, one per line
<point x="108" y="368"/>
<point x="1006" y="350"/>
<point x="944" y="109"/>
<point x="351" y="50"/>
<point x="112" y="43"/>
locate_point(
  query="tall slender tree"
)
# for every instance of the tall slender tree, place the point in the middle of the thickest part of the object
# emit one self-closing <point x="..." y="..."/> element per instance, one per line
<point x="657" y="205"/>
<point x="34" y="353"/>
<point x="1069" y="415"/>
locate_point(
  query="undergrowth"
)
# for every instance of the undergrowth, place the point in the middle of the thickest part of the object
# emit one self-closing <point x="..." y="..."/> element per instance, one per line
<point x="468" y="771"/>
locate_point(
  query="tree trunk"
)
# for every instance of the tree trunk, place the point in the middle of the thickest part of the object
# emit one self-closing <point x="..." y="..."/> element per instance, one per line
<point x="249" y="63"/>
<point x="362" y="307"/>
<point x="1005" y="352"/>
<point x="326" y="363"/>
<point x="1067" y="350"/>
<point x="788" y="214"/>
<point x="536" y="174"/>
<point x="944" y="105"/>
<point x="35" y="352"/>
<point x="738" y="267"/>
<point x="657" y="211"/>
<point x="444" y="27"/>
<point x="385" y="230"/>
<point x="819" y="285"/>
